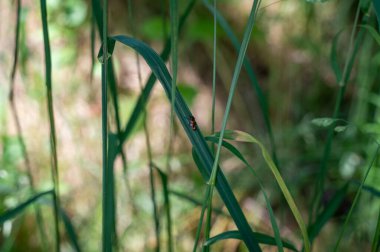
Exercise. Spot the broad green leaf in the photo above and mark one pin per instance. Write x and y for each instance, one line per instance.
(262, 239)
(12, 213)
(241, 136)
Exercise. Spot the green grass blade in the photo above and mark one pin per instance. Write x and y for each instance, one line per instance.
(174, 68)
(53, 138)
(327, 213)
(213, 76)
(334, 58)
(110, 189)
(12, 213)
(376, 238)
(352, 52)
(165, 191)
(251, 75)
(373, 32)
(70, 231)
(238, 154)
(262, 239)
(183, 113)
(144, 97)
(235, 77)
(107, 218)
(375, 157)
(241, 136)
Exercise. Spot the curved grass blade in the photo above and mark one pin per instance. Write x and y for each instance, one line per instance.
(53, 138)
(12, 213)
(144, 97)
(238, 154)
(183, 113)
(73, 237)
(241, 136)
(165, 191)
(261, 238)
(251, 75)
(373, 32)
(334, 58)
(327, 213)
(375, 157)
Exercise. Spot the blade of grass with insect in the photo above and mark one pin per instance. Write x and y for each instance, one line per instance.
(183, 113)
(376, 238)
(144, 97)
(53, 138)
(38, 214)
(156, 219)
(261, 238)
(12, 213)
(375, 157)
(174, 68)
(236, 74)
(352, 52)
(241, 136)
(251, 75)
(165, 191)
(238, 154)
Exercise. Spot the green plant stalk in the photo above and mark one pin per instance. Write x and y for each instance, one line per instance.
(375, 157)
(251, 75)
(209, 207)
(147, 139)
(174, 68)
(353, 48)
(53, 141)
(160, 71)
(165, 190)
(106, 222)
(242, 51)
(213, 79)
(38, 214)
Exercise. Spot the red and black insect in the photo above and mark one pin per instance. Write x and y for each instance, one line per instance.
(193, 123)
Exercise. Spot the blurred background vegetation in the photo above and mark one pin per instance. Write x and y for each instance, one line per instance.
(293, 49)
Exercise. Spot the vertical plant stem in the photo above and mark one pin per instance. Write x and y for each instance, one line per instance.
(174, 68)
(239, 63)
(24, 151)
(375, 157)
(213, 79)
(106, 222)
(147, 137)
(319, 188)
(53, 141)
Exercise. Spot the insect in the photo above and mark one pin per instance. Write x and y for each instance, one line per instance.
(193, 123)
